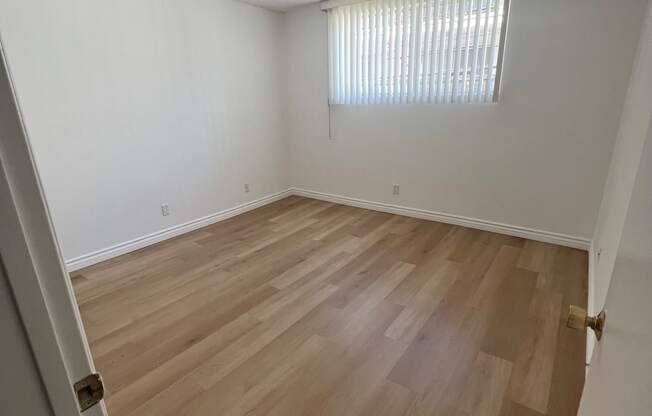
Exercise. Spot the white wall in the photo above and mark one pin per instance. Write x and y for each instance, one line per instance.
(130, 104)
(632, 134)
(537, 159)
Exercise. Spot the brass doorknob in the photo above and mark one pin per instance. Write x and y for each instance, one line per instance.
(578, 319)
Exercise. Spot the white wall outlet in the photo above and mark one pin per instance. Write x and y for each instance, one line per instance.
(246, 188)
(165, 210)
(396, 189)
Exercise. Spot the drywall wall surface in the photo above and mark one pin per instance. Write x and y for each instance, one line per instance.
(536, 159)
(132, 104)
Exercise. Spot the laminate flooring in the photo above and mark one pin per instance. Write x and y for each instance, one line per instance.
(305, 307)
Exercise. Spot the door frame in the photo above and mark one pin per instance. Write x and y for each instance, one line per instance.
(32, 261)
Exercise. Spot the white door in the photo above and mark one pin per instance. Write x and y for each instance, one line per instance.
(34, 268)
(620, 376)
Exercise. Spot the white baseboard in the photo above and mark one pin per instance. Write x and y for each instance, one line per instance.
(140, 242)
(513, 230)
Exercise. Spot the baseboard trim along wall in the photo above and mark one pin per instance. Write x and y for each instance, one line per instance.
(140, 242)
(144, 241)
(516, 231)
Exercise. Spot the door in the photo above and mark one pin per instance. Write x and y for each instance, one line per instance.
(33, 265)
(620, 376)
(19, 376)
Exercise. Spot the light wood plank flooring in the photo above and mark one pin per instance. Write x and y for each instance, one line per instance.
(304, 307)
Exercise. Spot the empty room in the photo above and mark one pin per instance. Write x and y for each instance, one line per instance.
(339, 207)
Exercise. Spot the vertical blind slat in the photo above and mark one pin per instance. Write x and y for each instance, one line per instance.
(389, 62)
(442, 50)
(360, 54)
(336, 57)
(372, 54)
(377, 39)
(379, 50)
(484, 52)
(342, 25)
(399, 48)
(446, 38)
(450, 48)
(417, 48)
(476, 49)
(411, 52)
(458, 50)
(406, 47)
(397, 52)
(379, 53)
(353, 66)
(426, 51)
(383, 53)
(357, 16)
(345, 57)
(405, 51)
(488, 48)
(367, 34)
(331, 58)
(467, 45)
(493, 48)
(362, 51)
(434, 51)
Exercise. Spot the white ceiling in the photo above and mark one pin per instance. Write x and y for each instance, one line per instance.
(279, 5)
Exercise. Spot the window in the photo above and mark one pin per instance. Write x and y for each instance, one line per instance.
(415, 51)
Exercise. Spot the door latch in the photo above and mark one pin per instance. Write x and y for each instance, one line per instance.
(90, 390)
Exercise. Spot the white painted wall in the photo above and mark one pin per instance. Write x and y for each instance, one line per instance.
(537, 159)
(133, 104)
(130, 104)
(625, 161)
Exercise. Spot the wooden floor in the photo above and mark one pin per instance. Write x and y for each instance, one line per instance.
(304, 307)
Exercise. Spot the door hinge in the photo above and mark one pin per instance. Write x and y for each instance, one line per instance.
(90, 390)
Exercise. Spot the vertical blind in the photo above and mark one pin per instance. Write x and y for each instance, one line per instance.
(415, 51)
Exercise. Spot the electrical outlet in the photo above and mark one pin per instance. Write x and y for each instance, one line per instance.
(165, 210)
(396, 189)
(246, 188)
